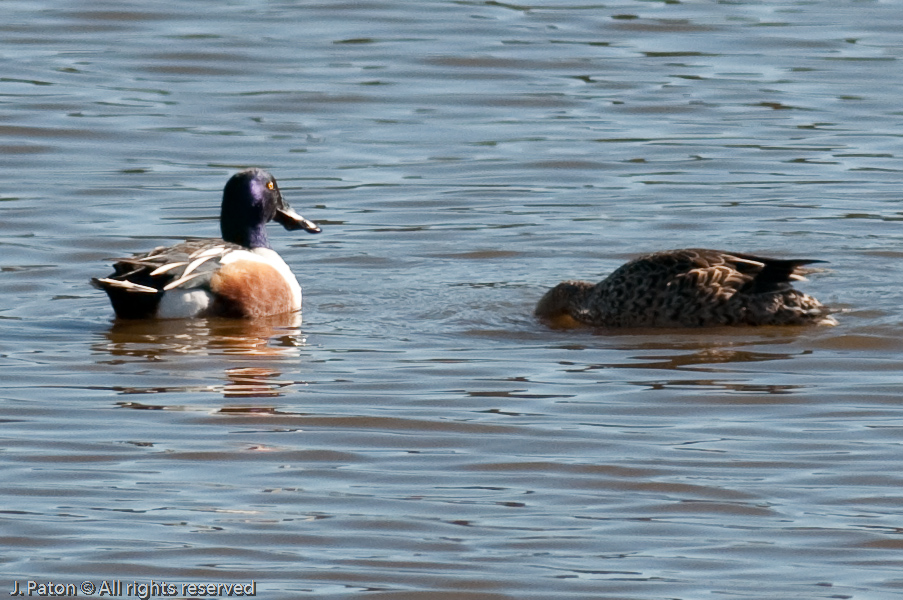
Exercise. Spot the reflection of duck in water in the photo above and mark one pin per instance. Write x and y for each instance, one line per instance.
(249, 354)
(688, 288)
(236, 276)
(167, 339)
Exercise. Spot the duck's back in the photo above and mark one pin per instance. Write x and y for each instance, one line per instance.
(700, 288)
(202, 277)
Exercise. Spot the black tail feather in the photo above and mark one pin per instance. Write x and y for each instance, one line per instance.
(777, 274)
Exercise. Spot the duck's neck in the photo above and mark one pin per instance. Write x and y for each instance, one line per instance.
(563, 299)
(249, 237)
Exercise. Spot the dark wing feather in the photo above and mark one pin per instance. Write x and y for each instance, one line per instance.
(775, 274)
(138, 282)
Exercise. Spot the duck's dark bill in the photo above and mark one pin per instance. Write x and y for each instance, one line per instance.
(293, 221)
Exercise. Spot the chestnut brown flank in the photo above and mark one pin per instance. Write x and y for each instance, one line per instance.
(249, 289)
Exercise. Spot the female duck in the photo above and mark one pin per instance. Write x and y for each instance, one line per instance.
(688, 288)
(236, 276)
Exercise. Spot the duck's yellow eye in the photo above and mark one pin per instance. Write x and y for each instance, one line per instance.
(270, 185)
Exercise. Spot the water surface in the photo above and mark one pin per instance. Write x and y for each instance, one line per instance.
(418, 435)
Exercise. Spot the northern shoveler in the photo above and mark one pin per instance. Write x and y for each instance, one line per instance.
(236, 276)
(688, 288)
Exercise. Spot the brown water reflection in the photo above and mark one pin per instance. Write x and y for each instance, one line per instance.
(277, 337)
(698, 361)
(153, 339)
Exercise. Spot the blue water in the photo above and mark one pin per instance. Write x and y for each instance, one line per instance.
(418, 435)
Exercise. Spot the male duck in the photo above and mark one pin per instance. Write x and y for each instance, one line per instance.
(688, 288)
(236, 276)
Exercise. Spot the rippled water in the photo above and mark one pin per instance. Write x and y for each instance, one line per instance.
(419, 435)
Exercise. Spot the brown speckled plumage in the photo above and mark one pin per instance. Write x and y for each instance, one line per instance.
(687, 288)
